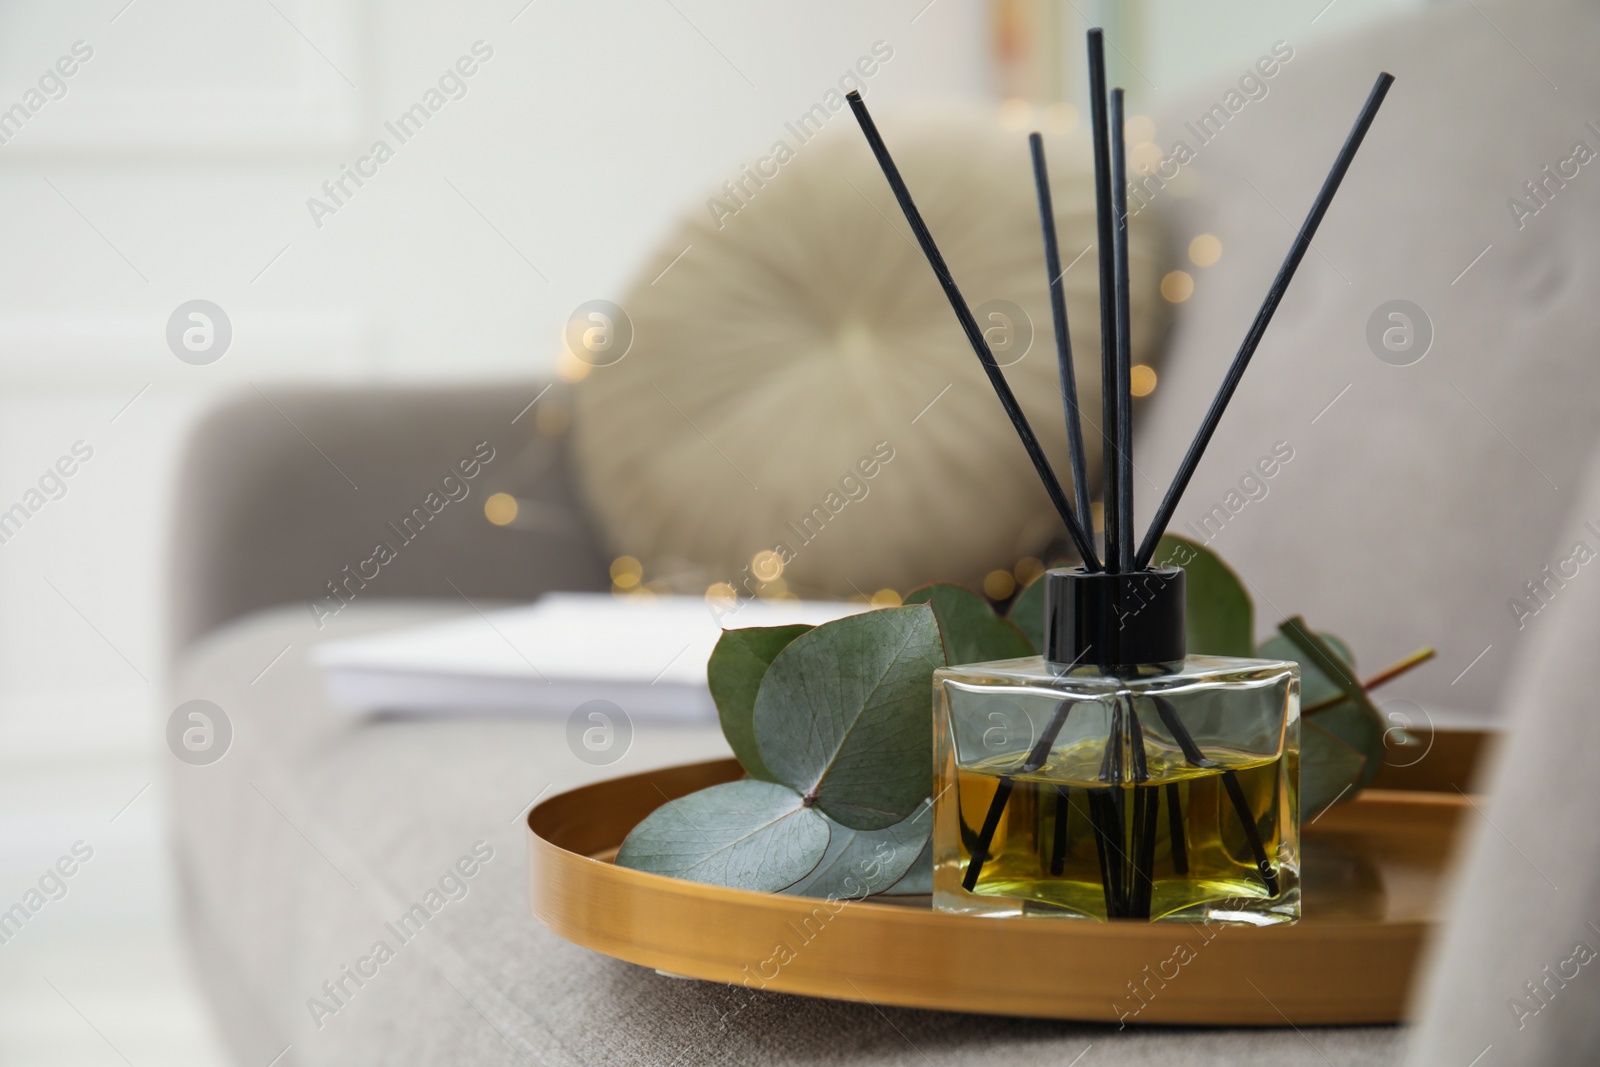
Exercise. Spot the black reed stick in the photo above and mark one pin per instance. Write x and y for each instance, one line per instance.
(1058, 316)
(1230, 782)
(1102, 817)
(1146, 803)
(1105, 239)
(1291, 262)
(1252, 832)
(991, 823)
(1152, 819)
(1180, 854)
(1058, 845)
(1136, 825)
(969, 324)
(1038, 755)
(1114, 814)
(1123, 385)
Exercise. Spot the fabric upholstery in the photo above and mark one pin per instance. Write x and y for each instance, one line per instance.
(1418, 505)
(1518, 964)
(281, 492)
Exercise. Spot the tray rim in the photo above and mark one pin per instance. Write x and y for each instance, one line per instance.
(567, 890)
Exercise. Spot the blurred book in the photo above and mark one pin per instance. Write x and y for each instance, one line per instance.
(646, 654)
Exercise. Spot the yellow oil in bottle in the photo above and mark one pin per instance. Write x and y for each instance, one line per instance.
(1175, 845)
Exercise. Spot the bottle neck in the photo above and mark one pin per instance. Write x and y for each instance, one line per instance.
(1122, 621)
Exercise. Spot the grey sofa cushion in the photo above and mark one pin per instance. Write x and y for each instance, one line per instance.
(314, 831)
(1418, 505)
(281, 492)
(1518, 964)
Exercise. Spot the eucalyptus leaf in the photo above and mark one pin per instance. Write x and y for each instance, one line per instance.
(918, 881)
(1315, 686)
(1220, 618)
(1355, 720)
(1328, 769)
(744, 835)
(1357, 728)
(734, 673)
(1027, 613)
(859, 863)
(968, 626)
(844, 715)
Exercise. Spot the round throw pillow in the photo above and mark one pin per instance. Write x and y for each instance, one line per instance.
(798, 385)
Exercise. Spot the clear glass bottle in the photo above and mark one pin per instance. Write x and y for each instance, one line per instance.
(1115, 777)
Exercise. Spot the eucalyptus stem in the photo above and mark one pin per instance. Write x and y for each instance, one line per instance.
(1388, 674)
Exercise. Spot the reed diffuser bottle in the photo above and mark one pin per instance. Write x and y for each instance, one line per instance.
(1115, 777)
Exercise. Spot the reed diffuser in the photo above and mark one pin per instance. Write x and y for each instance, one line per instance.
(1116, 776)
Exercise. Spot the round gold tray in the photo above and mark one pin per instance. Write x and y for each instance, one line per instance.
(1372, 874)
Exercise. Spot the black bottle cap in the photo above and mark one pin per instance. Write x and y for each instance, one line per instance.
(1091, 617)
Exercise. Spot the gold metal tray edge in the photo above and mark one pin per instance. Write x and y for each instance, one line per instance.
(1314, 972)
